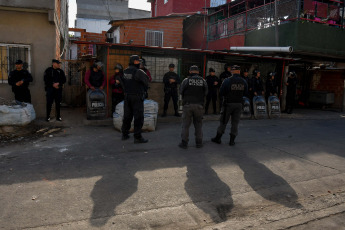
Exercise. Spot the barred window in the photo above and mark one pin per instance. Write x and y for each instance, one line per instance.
(154, 38)
(9, 54)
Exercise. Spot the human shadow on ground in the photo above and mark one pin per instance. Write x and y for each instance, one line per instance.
(266, 183)
(205, 188)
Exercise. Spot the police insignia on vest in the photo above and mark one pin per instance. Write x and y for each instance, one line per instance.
(195, 82)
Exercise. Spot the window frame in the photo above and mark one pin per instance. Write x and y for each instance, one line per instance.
(154, 32)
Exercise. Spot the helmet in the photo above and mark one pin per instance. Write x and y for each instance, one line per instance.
(292, 73)
(255, 72)
(194, 68)
(133, 58)
(211, 70)
(171, 65)
(119, 67)
(226, 66)
(271, 74)
(142, 62)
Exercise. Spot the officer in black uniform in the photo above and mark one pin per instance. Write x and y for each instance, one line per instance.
(233, 89)
(19, 79)
(258, 88)
(135, 83)
(291, 92)
(54, 78)
(271, 85)
(171, 80)
(222, 77)
(213, 85)
(193, 90)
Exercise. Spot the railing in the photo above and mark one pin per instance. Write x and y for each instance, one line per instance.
(264, 16)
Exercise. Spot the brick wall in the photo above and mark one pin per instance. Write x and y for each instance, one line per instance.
(135, 30)
(331, 81)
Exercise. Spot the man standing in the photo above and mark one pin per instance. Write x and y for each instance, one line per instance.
(193, 90)
(54, 78)
(94, 77)
(258, 88)
(171, 80)
(135, 83)
(233, 89)
(213, 85)
(19, 79)
(291, 92)
(271, 86)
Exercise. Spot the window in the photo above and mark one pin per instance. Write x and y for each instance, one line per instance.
(9, 54)
(154, 38)
(165, 1)
(158, 66)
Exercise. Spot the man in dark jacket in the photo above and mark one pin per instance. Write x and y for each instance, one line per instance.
(233, 89)
(19, 79)
(171, 80)
(94, 77)
(213, 85)
(54, 78)
(271, 86)
(117, 90)
(258, 88)
(291, 92)
(135, 83)
(193, 90)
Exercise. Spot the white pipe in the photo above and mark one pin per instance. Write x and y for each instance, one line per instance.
(287, 49)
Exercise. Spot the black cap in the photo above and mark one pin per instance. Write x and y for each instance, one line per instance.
(245, 71)
(226, 66)
(134, 58)
(118, 66)
(56, 61)
(19, 62)
(211, 70)
(171, 65)
(194, 68)
(235, 67)
(143, 62)
(292, 73)
(272, 74)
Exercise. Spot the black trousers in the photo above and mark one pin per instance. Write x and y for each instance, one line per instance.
(116, 99)
(290, 102)
(233, 111)
(212, 95)
(53, 95)
(170, 93)
(22, 95)
(133, 107)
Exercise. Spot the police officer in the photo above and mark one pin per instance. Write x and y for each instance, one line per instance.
(249, 83)
(19, 79)
(233, 89)
(226, 73)
(54, 78)
(171, 80)
(117, 90)
(258, 88)
(213, 85)
(291, 92)
(271, 85)
(135, 83)
(193, 90)
(94, 77)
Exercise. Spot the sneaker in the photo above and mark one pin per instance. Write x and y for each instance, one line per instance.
(59, 119)
(125, 137)
(48, 119)
(140, 140)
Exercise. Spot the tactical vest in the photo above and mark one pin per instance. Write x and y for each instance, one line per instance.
(236, 90)
(132, 86)
(96, 78)
(194, 92)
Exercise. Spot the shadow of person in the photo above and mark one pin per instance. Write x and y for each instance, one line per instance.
(109, 192)
(266, 183)
(206, 190)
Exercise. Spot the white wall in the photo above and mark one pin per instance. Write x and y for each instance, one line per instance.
(93, 25)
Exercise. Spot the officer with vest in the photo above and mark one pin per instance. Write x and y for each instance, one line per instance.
(171, 80)
(94, 77)
(193, 90)
(291, 92)
(54, 78)
(19, 79)
(213, 85)
(135, 83)
(233, 89)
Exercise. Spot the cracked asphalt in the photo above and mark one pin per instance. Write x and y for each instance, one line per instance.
(286, 173)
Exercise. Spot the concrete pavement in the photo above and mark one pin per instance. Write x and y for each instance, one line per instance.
(287, 173)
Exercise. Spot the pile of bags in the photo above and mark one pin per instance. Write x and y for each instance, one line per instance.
(18, 114)
(150, 116)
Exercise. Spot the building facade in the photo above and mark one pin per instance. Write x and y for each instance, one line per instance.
(175, 7)
(36, 32)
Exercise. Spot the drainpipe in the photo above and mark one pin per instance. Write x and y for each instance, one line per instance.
(284, 78)
(343, 108)
(107, 77)
(299, 10)
(287, 49)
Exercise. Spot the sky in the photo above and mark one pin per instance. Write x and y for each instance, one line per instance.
(136, 4)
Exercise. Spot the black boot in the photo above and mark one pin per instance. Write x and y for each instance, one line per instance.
(164, 113)
(199, 144)
(177, 114)
(232, 140)
(217, 139)
(140, 140)
(125, 137)
(183, 145)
